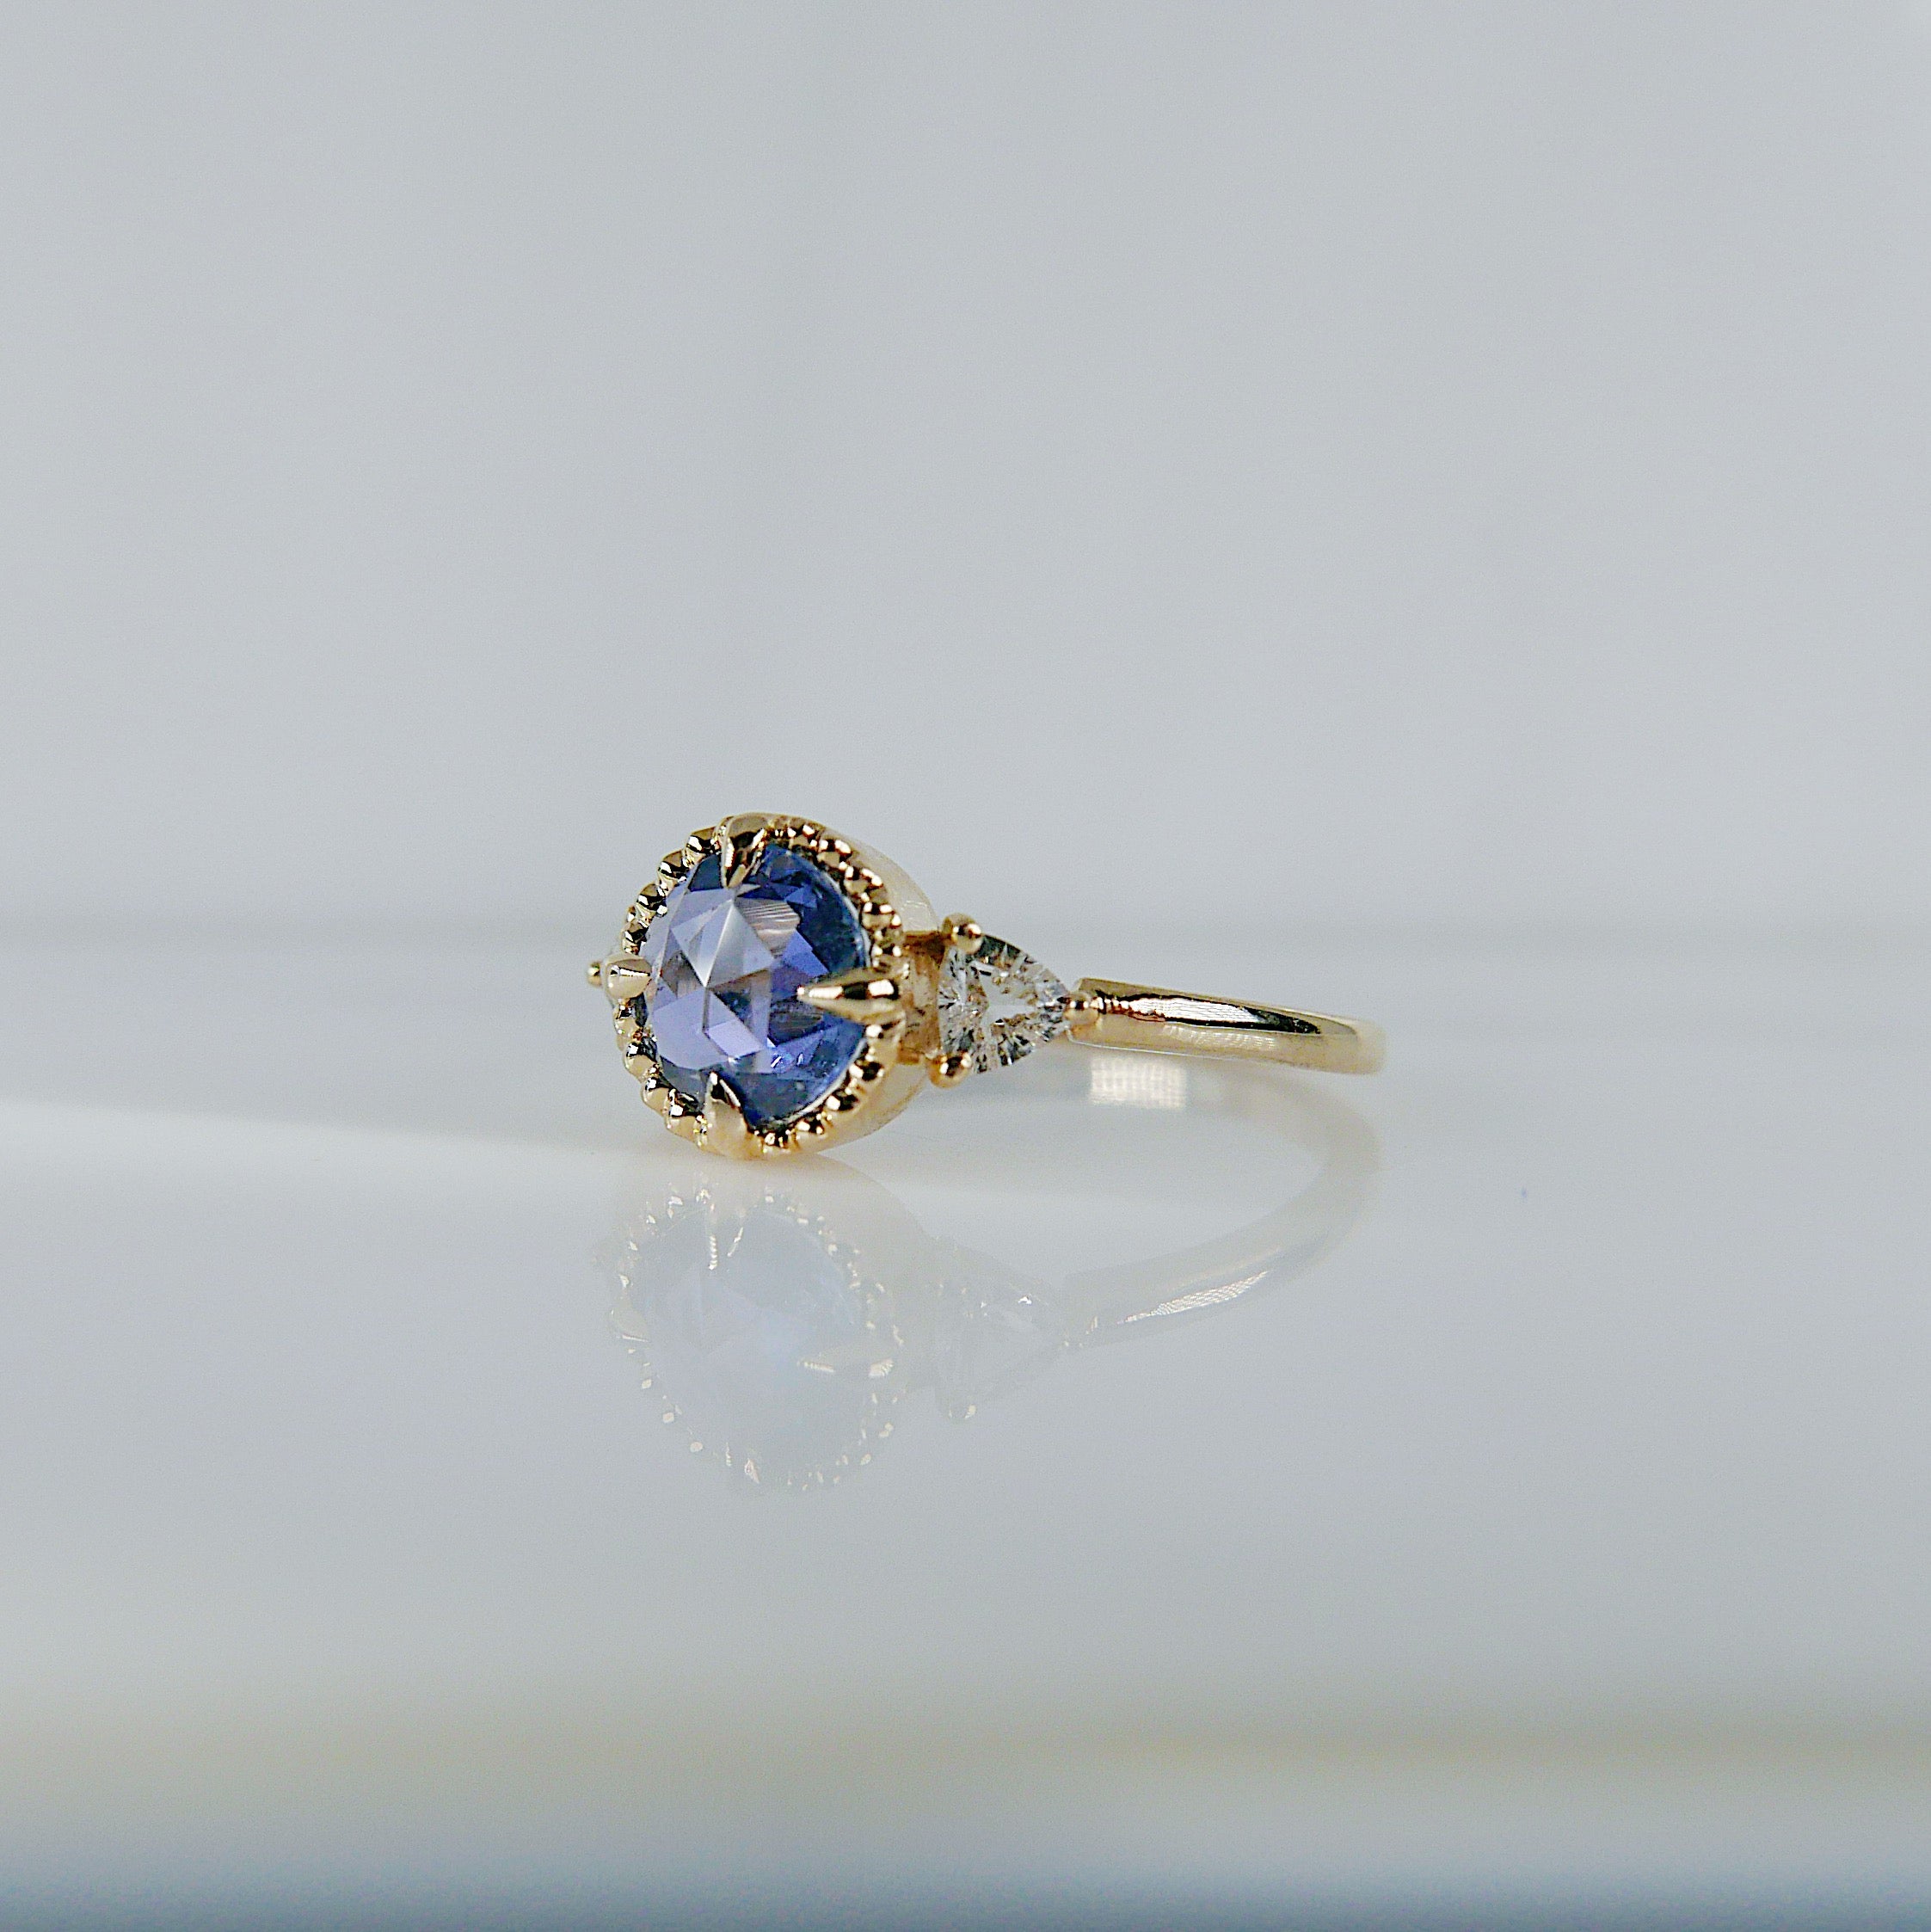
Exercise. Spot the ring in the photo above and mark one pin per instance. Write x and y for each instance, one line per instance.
(777, 987)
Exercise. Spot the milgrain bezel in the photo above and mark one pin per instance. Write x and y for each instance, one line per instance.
(892, 995)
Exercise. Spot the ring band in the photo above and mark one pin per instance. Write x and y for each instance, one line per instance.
(777, 987)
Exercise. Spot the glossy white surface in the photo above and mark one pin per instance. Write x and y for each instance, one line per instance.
(1553, 1513)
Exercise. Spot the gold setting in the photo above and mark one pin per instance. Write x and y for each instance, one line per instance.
(895, 997)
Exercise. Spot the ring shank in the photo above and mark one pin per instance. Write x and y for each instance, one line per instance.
(1154, 1019)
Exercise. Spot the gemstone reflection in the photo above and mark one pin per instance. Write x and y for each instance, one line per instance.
(783, 1321)
(763, 1336)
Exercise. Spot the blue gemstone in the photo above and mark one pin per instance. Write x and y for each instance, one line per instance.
(725, 963)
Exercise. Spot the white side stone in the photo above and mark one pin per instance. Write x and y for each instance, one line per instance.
(998, 1004)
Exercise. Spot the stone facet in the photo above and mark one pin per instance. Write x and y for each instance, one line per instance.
(725, 965)
(998, 1004)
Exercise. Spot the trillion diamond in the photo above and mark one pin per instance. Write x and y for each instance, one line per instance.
(998, 1005)
(726, 963)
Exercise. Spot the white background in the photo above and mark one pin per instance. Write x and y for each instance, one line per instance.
(1391, 466)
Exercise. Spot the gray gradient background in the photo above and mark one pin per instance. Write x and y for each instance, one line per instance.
(1408, 463)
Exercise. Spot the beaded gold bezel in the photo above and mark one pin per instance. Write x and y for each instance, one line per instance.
(903, 945)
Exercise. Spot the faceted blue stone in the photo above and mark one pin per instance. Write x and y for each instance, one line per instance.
(725, 963)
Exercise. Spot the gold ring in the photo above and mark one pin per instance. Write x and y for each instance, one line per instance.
(777, 987)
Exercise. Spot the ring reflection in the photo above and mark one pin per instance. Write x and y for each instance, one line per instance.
(783, 1316)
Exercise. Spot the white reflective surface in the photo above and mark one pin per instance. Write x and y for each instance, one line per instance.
(418, 1469)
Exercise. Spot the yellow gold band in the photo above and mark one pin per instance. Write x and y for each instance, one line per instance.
(1154, 1019)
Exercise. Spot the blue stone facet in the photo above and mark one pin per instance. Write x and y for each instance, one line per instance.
(725, 963)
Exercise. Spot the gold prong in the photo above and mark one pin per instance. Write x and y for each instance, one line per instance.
(861, 995)
(739, 841)
(724, 1128)
(594, 972)
(624, 977)
(949, 1070)
(963, 934)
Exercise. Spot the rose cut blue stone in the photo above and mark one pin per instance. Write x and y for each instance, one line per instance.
(725, 963)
